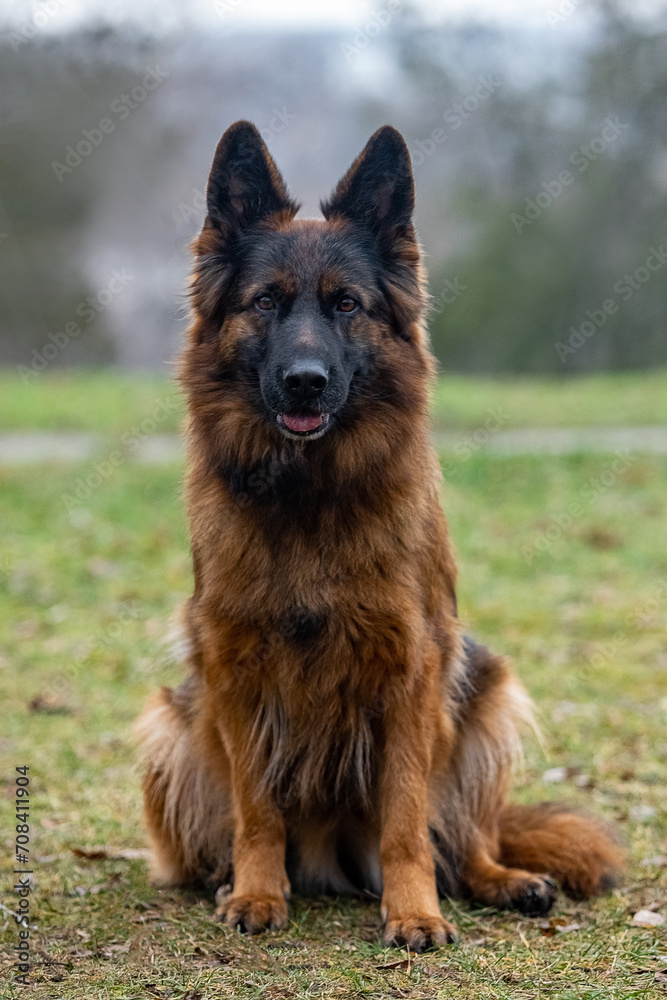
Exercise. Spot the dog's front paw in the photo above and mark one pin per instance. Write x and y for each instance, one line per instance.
(252, 914)
(419, 933)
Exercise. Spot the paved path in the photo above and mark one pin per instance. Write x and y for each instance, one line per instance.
(69, 446)
(61, 447)
(556, 441)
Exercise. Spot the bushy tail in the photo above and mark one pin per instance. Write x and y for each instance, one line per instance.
(576, 850)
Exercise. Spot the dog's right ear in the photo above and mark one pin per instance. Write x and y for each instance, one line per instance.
(244, 185)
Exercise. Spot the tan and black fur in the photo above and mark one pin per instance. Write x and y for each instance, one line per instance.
(336, 731)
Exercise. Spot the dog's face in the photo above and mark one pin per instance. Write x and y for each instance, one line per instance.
(302, 300)
(299, 314)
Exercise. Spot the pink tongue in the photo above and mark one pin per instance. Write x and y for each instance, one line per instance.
(307, 422)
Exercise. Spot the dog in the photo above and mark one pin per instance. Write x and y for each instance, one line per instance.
(337, 731)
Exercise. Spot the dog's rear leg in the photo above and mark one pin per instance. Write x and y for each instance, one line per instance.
(577, 850)
(187, 807)
(493, 884)
(518, 852)
(492, 705)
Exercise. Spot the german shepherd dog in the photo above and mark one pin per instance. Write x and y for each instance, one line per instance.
(337, 732)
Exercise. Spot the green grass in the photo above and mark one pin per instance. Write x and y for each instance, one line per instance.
(83, 400)
(97, 401)
(596, 400)
(86, 596)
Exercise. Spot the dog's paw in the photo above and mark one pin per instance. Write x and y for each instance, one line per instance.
(419, 933)
(252, 914)
(534, 896)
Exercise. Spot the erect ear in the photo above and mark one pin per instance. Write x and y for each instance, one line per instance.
(378, 190)
(244, 185)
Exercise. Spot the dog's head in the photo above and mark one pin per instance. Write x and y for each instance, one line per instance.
(305, 321)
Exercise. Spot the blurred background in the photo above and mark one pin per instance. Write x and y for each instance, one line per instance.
(538, 133)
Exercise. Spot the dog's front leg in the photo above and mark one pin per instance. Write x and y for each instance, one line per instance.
(410, 906)
(261, 887)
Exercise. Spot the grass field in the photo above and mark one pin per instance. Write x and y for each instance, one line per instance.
(92, 401)
(578, 600)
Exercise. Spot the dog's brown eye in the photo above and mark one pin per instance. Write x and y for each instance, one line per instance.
(264, 302)
(347, 304)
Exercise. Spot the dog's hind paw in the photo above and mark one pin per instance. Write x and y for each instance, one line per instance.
(534, 895)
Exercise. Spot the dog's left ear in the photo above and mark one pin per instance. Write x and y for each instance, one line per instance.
(378, 190)
(244, 189)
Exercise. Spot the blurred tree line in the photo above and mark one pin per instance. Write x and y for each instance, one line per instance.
(564, 195)
(540, 158)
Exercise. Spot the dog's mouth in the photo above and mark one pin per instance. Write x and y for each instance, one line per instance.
(303, 425)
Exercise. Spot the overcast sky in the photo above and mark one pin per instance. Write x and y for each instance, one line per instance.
(298, 14)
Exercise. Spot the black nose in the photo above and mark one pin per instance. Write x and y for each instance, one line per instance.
(305, 379)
